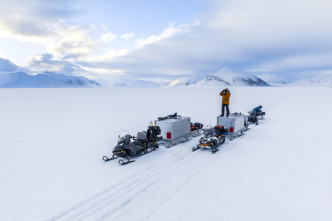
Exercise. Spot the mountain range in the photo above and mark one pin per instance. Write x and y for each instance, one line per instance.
(322, 80)
(223, 77)
(273, 80)
(46, 80)
(135, 84)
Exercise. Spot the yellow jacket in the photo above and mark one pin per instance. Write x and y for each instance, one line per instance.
(225, 97)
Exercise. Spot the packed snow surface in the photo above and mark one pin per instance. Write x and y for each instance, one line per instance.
(52, 142)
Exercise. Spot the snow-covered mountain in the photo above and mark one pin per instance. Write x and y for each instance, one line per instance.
(235, 79)
(212, 80)
(224, 77)
(273, 80)
(135, 84)
(322, 80)
(184, 81)
(46, 80)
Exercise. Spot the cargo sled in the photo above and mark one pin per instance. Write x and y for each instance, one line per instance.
(236, 124)
(130, 146)
(174, 129)
(212, 139)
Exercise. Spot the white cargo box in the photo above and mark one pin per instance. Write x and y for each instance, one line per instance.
(174, 128)
(236, 123)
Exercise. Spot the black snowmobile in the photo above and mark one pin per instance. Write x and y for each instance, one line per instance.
(129, 146)
(254, 115)
(213, 138)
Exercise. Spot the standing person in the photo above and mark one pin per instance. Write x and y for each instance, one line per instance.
(225, 101)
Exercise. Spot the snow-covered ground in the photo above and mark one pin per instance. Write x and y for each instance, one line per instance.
(52, 142)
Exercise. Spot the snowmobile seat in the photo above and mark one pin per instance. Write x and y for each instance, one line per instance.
(142, 136)
(220, 130)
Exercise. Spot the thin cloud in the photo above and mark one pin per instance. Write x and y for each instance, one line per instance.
(46, 62)
(34, 18)
(244, 35)
(108, 37)
(127, 36)
(167, 33)
(74, 42)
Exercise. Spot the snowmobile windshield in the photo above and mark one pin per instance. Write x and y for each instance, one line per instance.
(122, 140)
(125, 139)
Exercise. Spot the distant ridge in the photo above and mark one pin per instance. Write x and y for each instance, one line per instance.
(273, 80)
(135, 84)
(322, 80)
(184, 81)
(223, 77)
(46, 80)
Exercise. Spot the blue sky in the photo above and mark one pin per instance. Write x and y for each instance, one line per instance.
(147, 17)
(165, 39)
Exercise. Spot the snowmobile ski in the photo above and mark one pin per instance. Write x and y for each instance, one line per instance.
(122, 162)
(215, 150)
(195, 148)
(105, 158)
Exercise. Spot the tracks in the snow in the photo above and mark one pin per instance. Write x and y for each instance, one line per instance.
(138, 197)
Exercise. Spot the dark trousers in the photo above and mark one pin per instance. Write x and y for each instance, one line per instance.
(223, 110)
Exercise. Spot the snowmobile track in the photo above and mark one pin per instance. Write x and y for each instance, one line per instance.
(122, 185)
(146, 191)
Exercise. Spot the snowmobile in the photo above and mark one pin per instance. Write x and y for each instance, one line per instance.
(254, 114)
(196, 129)
(196, 126)
(213, 138)
(129, 146)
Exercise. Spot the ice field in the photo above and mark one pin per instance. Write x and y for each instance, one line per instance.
(52, 142)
